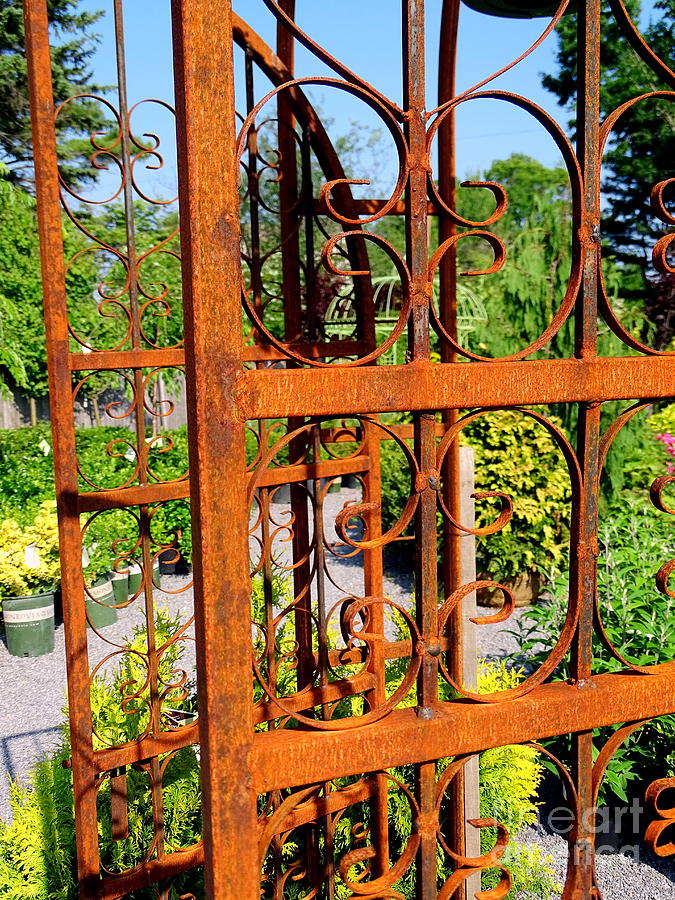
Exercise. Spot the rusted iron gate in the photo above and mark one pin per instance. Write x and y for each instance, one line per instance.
(284, 763)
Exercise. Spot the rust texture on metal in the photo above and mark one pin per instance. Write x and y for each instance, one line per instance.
(316, 712)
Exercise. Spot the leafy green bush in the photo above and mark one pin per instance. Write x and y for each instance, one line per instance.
(29, 556)
(635, 457)
(509, 779)
(663, 420)
(37, 849)
(27, 480)
(634, 541)
(26, 471)
(515, 455)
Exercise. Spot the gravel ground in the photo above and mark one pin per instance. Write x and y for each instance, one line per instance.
(631, 873)
(34, 691)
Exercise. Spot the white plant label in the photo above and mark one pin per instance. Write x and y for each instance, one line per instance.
(103, 590)
(21, 616)
(31, 557)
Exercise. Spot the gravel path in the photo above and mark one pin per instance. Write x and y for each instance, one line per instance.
(631, 873)
(34, 695)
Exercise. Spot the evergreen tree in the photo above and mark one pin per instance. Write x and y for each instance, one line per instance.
(640, 151)
(73, 44)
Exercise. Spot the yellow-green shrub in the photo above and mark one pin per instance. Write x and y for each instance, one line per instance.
(29, 556)
(516, 455)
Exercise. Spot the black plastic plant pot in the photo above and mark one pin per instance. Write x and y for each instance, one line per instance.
(515, 10)
(351, 482)
(101, 610)
(168, 560)
(29, 624)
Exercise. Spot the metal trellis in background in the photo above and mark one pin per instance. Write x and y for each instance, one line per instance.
(306, 722)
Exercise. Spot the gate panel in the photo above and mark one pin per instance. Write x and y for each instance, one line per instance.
(299, 731)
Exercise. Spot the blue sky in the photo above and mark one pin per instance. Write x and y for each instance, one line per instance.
(365, 34)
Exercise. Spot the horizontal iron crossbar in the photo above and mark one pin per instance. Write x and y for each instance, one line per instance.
(334, 391)
(288, 758)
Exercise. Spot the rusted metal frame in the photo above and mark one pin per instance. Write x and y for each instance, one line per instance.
(263, 495)
(139, 417)
(322, 695)
(180, 490)
(291, 758)
(327, 804)
(154, 872)
(141, 358)
(318, 537)
(214, 353)
(309, 349)
(450, 472)
(253, 198)
(328, 392)
(426, 586)
(289, 225)
(278, 73)
(324, 468)
(307, 207)
(142, 750)
(370, 207)
(373, 575)
(405, 431)
(172, 358)
(291, 217)
(63, 437)
(136, 495)
(584, 550)
(447, 302)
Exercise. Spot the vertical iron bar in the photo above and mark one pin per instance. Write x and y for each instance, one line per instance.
(214, 354)
(451, 476)
(289, 223)
(426, 588)
(144, 516)
(584, 570)
(63, 437)
(254, 201)
(373, 575)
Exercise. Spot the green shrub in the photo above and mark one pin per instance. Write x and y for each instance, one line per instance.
(37, 849)
(27, 480)
(663, 420)
(509, 780)
(29, 556)
(515, 455)
(634, 541)
(635, 457)
(26, 471)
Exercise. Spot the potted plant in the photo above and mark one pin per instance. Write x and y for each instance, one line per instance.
(29, 574)
(136, 575)
(102, 594)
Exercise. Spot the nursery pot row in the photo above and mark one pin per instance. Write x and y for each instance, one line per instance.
(29, 619)
(111, 592)
(29, 624)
